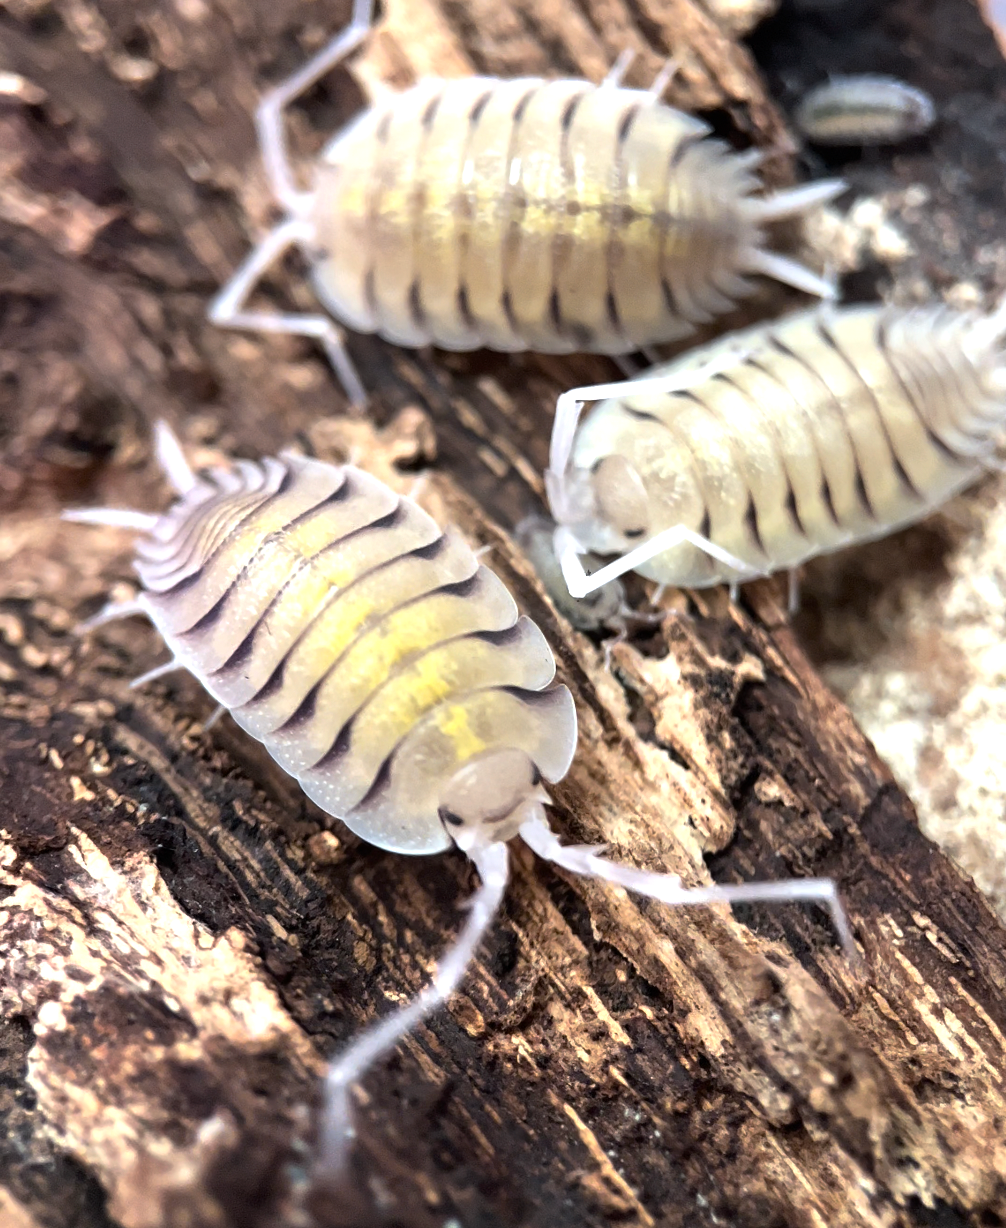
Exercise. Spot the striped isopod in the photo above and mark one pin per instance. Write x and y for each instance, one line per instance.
(518, 215)
(864, 109)
(777, 443)
(389, 672)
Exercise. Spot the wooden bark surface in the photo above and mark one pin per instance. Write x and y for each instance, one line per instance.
(182, 944)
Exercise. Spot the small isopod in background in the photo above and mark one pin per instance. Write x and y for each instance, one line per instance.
(526, 214)
(389, 672)
(778, 443)
(864, 109)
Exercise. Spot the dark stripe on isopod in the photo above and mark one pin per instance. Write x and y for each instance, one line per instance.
(829, 501)
(518, 112)
(790, 500)
(514, 208)
(751, 520)
(507, 304)
(384, 126)
(902, 474)
(475, 114)
(459, 588)
(790, 504)
(611, 311)
(428, 552)
(625, 127)
(618, 213)
(430, 111)
(370, 292)
(271, 542)
(417, 314)
(859, 481)
(560, 245)
(464, 308)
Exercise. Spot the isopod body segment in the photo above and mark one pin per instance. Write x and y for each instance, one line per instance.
(386, 670)
(778, 443)
(518, 215)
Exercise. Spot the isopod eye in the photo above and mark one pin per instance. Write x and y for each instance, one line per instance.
(621, 497)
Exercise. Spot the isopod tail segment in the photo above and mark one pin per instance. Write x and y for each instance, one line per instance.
(229, 308)
(490, 857)
(491, 798)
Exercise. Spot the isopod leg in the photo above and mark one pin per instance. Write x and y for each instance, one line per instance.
(214, 716)
(171, 458)
(793, 201)
(580, 584)
(269, 114)
(337, 1130)
(584, 859)
(616, 73)
(793, 591)
(664, 78)
(115, 517)
(789, 272)
(169, 667)
(110, 612)
(228, 308)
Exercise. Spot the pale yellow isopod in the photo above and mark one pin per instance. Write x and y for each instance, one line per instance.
(387, 671)
(777, 443)
(517, 215)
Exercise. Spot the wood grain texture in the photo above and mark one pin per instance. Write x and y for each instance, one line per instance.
(181, 941)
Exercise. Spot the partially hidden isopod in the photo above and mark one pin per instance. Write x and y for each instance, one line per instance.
(516, 215)
(864, 109)
(388, 671)
(777, 443)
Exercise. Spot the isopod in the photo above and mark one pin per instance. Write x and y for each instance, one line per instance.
(387, 671)
(864, 109)
(602, 610)
(778, 443)
(515, 215)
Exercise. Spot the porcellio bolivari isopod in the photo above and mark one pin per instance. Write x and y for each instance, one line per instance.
(778, 443)
(864, 109)
(514, 214)
(389, 672)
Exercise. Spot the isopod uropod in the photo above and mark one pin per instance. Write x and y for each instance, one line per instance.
(389, 672)
(777, 443)
(514, 214)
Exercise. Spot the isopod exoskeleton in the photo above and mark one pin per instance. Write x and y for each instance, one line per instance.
(777, 443)
(864, 109)
(388, 672)
(514, 214)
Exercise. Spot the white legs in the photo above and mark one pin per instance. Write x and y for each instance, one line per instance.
(229, 311)
(116, 517)
(171, 458)
(228, 308)
(584, 859)
(789, 272)
(337, 1130)
(269, 114)
(616, 73)
(580, 584)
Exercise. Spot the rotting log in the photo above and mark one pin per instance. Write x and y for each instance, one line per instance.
(183, 937)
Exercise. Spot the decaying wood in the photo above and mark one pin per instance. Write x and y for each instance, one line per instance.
(183, 940)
